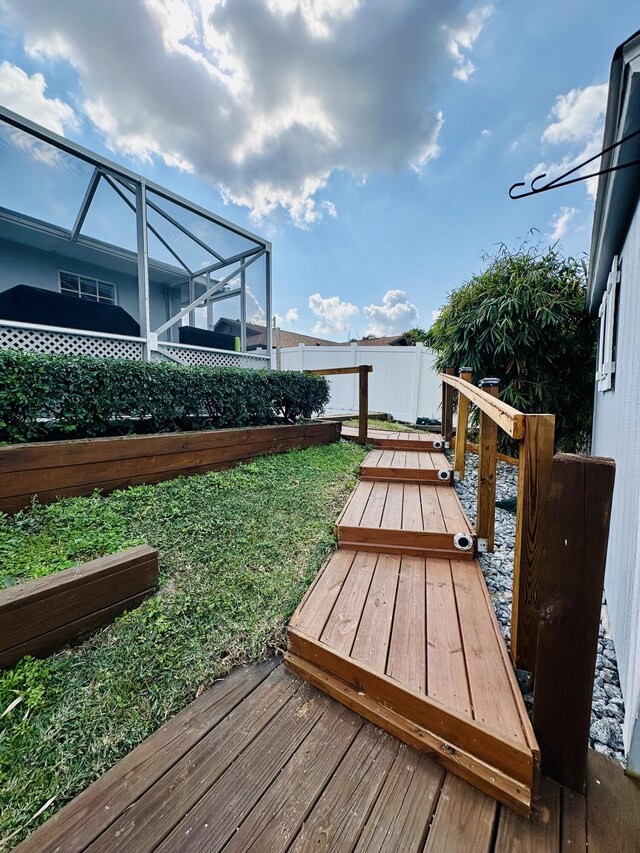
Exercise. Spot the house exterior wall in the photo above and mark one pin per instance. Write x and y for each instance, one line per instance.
(23, 264)
(616, 433)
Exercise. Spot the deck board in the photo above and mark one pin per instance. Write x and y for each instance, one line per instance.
(404, 518)
(390, 439)
(429, 626)
(407, 466)
(317, 777)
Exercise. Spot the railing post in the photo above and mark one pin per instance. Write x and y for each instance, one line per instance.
(461, 427)
(363, 403)
(447, 408)
(570, 581)
(534, 487)
(487, 457)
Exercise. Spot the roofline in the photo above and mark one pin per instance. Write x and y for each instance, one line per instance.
(96, 160)
(31, 222)
(624, 80)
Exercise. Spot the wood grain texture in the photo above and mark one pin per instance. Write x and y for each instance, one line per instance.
(447, 408)
(402, 814)
(509, 419)
(613, 806)
(337, 819)
(407, 651)
(539, 834)
(461, 428)
(363, 402)
(511, 756)
(486, 777)
(487, 450)
(571, 581)
(66, 468)
(41, 615)
(82, 820)
(534, 488)
(464, 819)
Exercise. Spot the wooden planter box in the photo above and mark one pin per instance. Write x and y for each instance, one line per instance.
(41, 615)
(68, 468)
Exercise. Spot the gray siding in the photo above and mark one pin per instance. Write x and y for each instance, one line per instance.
(616, 433)
(22, 264)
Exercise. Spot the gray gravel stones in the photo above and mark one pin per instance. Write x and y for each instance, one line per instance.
(607, 710)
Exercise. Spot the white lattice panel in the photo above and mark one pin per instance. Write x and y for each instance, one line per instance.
(67, 343)
(195, 356)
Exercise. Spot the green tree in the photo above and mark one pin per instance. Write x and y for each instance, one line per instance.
(416, 335)
(523, 320)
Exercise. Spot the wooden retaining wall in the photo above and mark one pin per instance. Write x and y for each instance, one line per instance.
(69, 468)
(41, 615)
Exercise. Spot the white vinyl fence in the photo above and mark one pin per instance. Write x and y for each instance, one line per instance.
(404, 382)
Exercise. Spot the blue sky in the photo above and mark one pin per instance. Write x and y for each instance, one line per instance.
(373, 142)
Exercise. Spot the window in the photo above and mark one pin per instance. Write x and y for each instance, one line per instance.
(87, 288)
(606, 367)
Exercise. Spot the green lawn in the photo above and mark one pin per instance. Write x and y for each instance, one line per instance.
(374, 423)
(237, 550)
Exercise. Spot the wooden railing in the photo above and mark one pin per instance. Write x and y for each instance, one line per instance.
(363, 397)
(562, 523)
(535, 436)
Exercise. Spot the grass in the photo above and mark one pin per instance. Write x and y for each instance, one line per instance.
(374, 423)
(237, 550)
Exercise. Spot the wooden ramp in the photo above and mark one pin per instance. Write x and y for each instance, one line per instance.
(390, 439)
(407, 466)
(406, 518)
(399, 626)
(265, 762)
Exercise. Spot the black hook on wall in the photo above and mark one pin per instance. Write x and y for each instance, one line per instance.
(560, 180)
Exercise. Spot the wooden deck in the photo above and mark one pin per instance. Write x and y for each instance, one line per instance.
(405, 518)
(265, 762)
(413, 645)
(382, 438)
(407, 466)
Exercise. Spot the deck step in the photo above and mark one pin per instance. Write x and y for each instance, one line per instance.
(390, 439)
(407, 466)
(406, 518)
(413, 645)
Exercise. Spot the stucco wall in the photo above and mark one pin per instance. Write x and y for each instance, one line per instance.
(21, 264)
(616, 433)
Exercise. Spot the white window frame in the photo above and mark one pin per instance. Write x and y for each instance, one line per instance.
(98, 282)
(606, 366)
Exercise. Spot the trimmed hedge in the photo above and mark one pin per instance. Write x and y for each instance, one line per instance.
(47, 396)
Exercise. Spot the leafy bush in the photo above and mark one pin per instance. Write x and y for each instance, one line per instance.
(48, 396)
(523, 320)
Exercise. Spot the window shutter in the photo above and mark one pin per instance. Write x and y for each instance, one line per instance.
(606, 363)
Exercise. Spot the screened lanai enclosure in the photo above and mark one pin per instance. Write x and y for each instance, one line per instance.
(98, 260)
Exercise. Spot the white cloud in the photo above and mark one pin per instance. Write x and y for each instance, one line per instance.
(395, 315)
(292, 316)
(26, 95)
(333, 314)
(435, 315)
(577, 123)
(485, 132)
(265, 99)
(560, 223)
(463, 38)
(577, 115)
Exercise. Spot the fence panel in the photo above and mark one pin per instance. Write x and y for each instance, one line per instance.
(404, 382)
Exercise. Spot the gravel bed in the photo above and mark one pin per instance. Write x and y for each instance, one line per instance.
(607, 709)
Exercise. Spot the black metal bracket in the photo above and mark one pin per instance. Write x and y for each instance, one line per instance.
(560, 180)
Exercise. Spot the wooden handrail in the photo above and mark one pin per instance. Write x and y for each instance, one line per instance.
(509, 419)
(363, 392)
(336, 371)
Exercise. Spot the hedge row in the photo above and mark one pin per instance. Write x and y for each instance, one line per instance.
(48, 396)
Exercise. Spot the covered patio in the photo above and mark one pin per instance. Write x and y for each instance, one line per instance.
(91, 238)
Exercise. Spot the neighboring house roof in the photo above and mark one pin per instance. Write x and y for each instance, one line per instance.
(617, 191)
(257, 336)
(388, 341)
